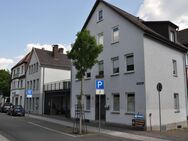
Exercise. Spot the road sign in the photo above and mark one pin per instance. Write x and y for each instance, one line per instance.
(159, 87)
(99, 87)
(29, 93)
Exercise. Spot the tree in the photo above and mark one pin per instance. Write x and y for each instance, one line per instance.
(5, 78)
(84, 56)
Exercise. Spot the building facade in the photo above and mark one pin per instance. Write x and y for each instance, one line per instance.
(136, 56)
(18, 81)
(45, 67)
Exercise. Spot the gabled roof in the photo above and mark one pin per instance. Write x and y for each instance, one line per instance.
(46, 59)
(137, 22)
(25, 59)
(183, 36)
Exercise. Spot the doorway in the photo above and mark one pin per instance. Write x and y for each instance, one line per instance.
(103, 111)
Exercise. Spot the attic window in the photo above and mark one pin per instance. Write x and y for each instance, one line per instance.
(172, 36)
(100, 15)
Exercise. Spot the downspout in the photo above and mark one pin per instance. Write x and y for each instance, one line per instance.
(43, 91)
(186, 83)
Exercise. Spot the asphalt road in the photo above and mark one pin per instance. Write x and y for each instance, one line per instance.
(27, 129)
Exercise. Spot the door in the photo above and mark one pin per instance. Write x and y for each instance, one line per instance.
(103, 111)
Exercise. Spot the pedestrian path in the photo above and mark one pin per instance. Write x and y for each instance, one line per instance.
(2, 138)
(103, 131)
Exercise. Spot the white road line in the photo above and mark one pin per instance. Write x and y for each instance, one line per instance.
(2, 138)
(53, 130)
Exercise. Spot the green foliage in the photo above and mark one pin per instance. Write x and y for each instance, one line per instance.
(84, 53)
(5, 78)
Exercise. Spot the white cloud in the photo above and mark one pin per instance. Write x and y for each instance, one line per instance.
(46, 47)
(173, 10)
(5, 63)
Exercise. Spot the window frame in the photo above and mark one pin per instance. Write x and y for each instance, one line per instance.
(175, 68)
(176, 102)
(172, 36)
(115, 70)
(100, 15)
(129, 102)
(115, 109)
(98, 38)
(126, 64)
(114, 40)
(86, 107)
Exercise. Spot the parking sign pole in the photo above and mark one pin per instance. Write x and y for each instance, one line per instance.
(99, 113)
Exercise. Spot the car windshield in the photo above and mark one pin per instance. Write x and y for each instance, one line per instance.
(18, 107)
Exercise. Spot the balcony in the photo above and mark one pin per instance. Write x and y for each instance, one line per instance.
(58, 85)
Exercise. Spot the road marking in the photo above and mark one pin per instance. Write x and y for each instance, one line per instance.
(2, 138)
(53, 130)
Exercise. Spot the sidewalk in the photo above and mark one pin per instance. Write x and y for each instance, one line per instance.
(103, 131)
(2, 138)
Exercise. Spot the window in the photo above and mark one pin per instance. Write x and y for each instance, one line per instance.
(88, 74)
(129, 60)
(100, 39)
(34, 68)
(21, 83)
(37, 67)
(27, 84)
(115, 34)
(33, 84)
(174, 67)
(22, 69)
(30, 84)
(88, 102)
(20, 100)
(101, 68)
(176, 102)
(37, 84)
(18, 70)
(115, 63)
(130, 103)
(100, 15)
(116, 102)
(172, 36)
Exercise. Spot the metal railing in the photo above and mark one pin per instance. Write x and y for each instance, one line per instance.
(58, 85)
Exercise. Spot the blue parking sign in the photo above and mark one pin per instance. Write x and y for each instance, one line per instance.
(99, 87)
(29, 93)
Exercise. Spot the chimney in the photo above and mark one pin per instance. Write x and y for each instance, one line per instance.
(61, 50)
(55, 51)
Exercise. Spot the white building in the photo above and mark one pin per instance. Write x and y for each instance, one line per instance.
(45, 67)
(136, 56)
(18, 74)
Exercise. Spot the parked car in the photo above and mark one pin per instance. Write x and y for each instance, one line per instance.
(16, 110)
(6, 107)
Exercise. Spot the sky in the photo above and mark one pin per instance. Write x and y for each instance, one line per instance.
(41, 23)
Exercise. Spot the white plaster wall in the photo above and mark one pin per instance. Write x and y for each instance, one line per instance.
(131, 41)
(159, 68)
(56, 75)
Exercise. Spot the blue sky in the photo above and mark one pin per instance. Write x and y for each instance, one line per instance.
(24, 22)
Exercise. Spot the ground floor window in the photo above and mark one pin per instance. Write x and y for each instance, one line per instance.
(116, 102)
(176, 102)
(88, 102)
(130, 102)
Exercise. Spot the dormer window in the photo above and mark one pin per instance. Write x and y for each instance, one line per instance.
(172, 36)
(100, 15)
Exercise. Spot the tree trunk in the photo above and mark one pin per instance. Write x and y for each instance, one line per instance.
(81, 103)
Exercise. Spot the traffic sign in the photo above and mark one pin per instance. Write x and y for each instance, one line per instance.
(159, 87)
(29, 93)
(99, 87)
